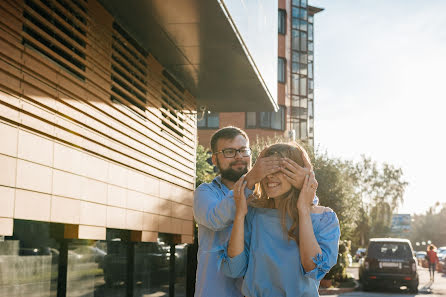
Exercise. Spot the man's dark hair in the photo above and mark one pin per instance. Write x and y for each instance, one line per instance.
(229, 132)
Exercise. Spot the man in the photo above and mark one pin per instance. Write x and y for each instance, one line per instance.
(214, 207)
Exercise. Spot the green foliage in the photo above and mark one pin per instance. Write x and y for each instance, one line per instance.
(337, 190)
(339, 271)
(429, 226)
(380, 190)
(204, 171)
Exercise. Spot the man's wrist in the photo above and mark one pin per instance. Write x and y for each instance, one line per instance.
(250, 180)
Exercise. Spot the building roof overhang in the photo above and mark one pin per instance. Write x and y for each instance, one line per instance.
(198, 42)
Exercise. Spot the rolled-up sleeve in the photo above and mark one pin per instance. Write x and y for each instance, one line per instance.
(213, 212)
(327, 236)
(236, 267)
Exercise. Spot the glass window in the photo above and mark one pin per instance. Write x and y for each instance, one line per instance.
(295, 84)
(303, 3)
(303, 58)
(303, 25)
(209, 120)
(295, 12)
(310, 19)
(303, 86)
(29, 260)
(282, 21)
(213, 119)
(310, 32)
(310, 109)
(296, 2)
(277, 119)
(295, 67)
(295, 23)
(265, 119)
(303, 69)
(303, 129)
(269, 120)
(303, 41)
(281, 69)
(310, 46)
(295, 40)
(251, 119)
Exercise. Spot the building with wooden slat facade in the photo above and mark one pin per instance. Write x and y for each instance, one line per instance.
(98, 132)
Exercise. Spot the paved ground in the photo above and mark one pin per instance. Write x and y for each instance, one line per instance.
(437, 288)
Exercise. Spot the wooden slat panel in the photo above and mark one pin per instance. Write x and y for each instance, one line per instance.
(43, 47)
(62, 21)
(72, 17)
(54, 28)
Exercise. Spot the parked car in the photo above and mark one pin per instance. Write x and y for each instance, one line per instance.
(441, 253)
(421, 258)
(389, 262)
(359, 254)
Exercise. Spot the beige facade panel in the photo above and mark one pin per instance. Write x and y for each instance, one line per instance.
(133, 220)
(91, 232)
(31, 205)
(34, 177)
(93, 214)
(35, 148)
(7, 197)
(64, 210)
(149, 236)
(6, 226)
(9, 133)
(187, 239)
(115, 217)
(8, 170)
(150, 222)
(69, 185)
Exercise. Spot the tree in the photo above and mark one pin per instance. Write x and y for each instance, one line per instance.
(430, 226)
(380, 190)
(204, 171)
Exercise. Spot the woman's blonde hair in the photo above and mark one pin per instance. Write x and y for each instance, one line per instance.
(288, 203)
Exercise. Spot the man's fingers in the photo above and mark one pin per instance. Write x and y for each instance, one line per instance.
(288, 173)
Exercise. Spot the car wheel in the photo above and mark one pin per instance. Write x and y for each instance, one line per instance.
(413, 290)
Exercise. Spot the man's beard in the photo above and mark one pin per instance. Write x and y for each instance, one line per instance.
(231, 174)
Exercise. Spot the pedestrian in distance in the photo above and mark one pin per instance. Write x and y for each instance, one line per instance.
(281, 243)
(214, 207)
(432, 260)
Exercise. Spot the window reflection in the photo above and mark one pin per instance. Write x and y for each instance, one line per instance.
(29, 261)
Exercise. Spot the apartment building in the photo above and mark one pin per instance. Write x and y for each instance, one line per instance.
(294, 117)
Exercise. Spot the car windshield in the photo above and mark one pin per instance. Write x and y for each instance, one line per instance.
(395, 250)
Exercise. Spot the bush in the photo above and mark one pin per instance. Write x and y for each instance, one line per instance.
(339, 271)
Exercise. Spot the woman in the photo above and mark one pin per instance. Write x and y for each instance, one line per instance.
(432, 260)
(282, 244)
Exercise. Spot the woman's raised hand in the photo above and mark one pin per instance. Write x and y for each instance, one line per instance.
(307, 192)
(239, 198)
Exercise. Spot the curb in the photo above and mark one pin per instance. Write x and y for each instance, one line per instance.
(336, 291)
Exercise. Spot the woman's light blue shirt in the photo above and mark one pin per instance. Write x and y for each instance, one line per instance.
(270, 263)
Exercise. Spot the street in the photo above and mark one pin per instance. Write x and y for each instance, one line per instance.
(437, 288)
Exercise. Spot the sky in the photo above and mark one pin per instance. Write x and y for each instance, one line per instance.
(380, 79)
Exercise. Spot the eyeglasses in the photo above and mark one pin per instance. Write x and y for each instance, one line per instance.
(230, 152)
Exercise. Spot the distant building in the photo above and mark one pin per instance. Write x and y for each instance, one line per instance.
(98, 112)
(295, 84)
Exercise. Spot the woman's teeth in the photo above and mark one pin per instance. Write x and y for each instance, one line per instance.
(272, 185)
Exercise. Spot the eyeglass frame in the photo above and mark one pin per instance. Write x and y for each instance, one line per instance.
(236, 151)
